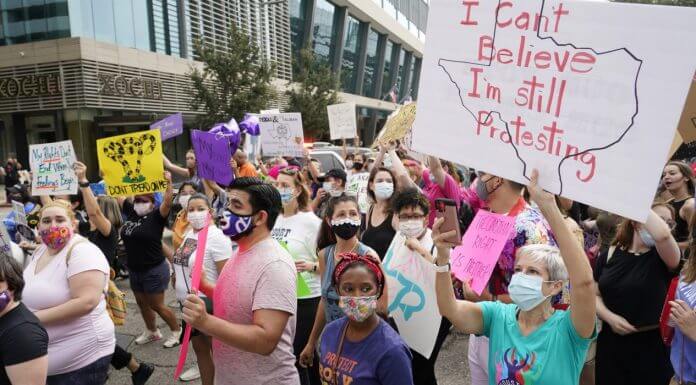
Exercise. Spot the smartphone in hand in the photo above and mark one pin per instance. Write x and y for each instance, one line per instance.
(447, 208)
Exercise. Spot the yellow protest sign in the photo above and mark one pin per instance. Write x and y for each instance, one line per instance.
(398, 124)
(132, 163)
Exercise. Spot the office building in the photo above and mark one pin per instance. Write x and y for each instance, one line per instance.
(87, 69)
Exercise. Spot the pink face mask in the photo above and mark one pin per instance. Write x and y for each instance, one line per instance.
(56, 237)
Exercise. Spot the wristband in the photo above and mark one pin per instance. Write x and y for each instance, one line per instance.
(442, 269)
(84, 184)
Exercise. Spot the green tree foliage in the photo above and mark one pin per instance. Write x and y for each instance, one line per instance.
(315, 89)
(233, 81)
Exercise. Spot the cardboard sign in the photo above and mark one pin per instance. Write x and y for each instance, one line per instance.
(171, 126)
(52, 168)
(282, 134)
(399, 124)
(19, 213)
(213, 155)
(132, 163)
(342, 121)
(687, 123)
(195, 284)
(589, 93)
(357, 187)
(474, 260)
(412, 297)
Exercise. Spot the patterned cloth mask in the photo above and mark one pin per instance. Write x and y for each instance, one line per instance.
(358, 308)
(56, 237)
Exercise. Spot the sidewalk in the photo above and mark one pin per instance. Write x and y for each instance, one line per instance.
(164, 359)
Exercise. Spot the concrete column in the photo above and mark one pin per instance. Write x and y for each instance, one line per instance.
(406, 80)
(82, 131)
(341, 20)
(379, 73)
(416, 78)
(308, 10)
(362, 57)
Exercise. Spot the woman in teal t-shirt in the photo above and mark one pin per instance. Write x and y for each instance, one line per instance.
(530, 342)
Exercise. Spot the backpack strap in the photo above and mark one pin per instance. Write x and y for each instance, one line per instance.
(69, 254)
(610, 253)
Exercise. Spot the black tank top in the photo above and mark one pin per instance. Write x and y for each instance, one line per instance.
(378, 238)
(681, 230)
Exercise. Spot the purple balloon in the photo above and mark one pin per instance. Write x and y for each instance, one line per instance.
(250, 125)
(231, 131)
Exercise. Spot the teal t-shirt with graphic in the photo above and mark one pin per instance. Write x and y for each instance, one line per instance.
(553, 354)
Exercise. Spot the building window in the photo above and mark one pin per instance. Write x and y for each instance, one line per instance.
(297, 24)
(399, 75)
(386, 77)
(123, 15)
(324, 31)
(24, 21)
(371, 63)
(351, 51)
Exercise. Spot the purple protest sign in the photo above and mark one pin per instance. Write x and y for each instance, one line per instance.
(474, 260)
(171, 126)
(212, 156)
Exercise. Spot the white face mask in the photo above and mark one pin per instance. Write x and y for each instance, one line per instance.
(525, 291)
(197, 219)
(183, 200)
(384, 190)
(349, 164)
(411, 228)
(142, 209)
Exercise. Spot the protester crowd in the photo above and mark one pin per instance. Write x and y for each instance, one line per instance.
(293, 289)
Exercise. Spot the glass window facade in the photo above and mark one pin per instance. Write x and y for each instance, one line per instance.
(351, 52)
(386, 76)
(371, 63)
(122, 22)
(23, 21)
(411, 14)
(400, 73)
(297, 11)
(323, 30)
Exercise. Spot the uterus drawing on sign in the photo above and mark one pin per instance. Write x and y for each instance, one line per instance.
(129, 153)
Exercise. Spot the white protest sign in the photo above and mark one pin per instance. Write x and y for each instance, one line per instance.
(357, 186)
(412, 297)
(281, 134)
(590, 93)
(342, 121)
(52, 168)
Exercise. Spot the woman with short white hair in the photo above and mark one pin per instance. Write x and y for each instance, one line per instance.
(530, 341)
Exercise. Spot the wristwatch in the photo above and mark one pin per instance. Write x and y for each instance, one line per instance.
(84, 184)
(314, 267)
(442, 269)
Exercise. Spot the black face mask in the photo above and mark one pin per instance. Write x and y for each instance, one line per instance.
(345, 230)
(358, 166)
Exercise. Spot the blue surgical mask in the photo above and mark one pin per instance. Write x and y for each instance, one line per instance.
(236, 226)
(286, 195)
(525, 291)
(646, 237)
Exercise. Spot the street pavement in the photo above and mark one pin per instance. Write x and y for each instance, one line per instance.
(451, 368)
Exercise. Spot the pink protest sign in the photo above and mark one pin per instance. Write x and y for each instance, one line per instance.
(195, 283)
(483, 242)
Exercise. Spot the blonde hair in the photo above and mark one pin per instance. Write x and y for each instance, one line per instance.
(60, 204)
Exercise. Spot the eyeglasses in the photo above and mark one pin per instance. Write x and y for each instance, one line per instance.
(414, 217)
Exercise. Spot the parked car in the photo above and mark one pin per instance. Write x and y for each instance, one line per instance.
(328, 159)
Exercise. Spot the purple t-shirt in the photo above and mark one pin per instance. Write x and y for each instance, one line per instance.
(434, 191)
(687, 293)
(381, 358)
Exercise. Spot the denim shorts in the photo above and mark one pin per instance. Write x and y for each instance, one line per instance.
(92, 374)
(152, 281)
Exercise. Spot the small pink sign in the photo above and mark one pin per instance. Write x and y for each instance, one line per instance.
(474, 260)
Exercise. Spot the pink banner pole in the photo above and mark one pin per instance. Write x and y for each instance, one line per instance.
(195, 283)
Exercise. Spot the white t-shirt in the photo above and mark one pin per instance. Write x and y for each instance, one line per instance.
(299, 234)
(263, 277)
(217, 248)
(75, 343)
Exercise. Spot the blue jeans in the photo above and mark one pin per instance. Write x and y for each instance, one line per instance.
(92, 374)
